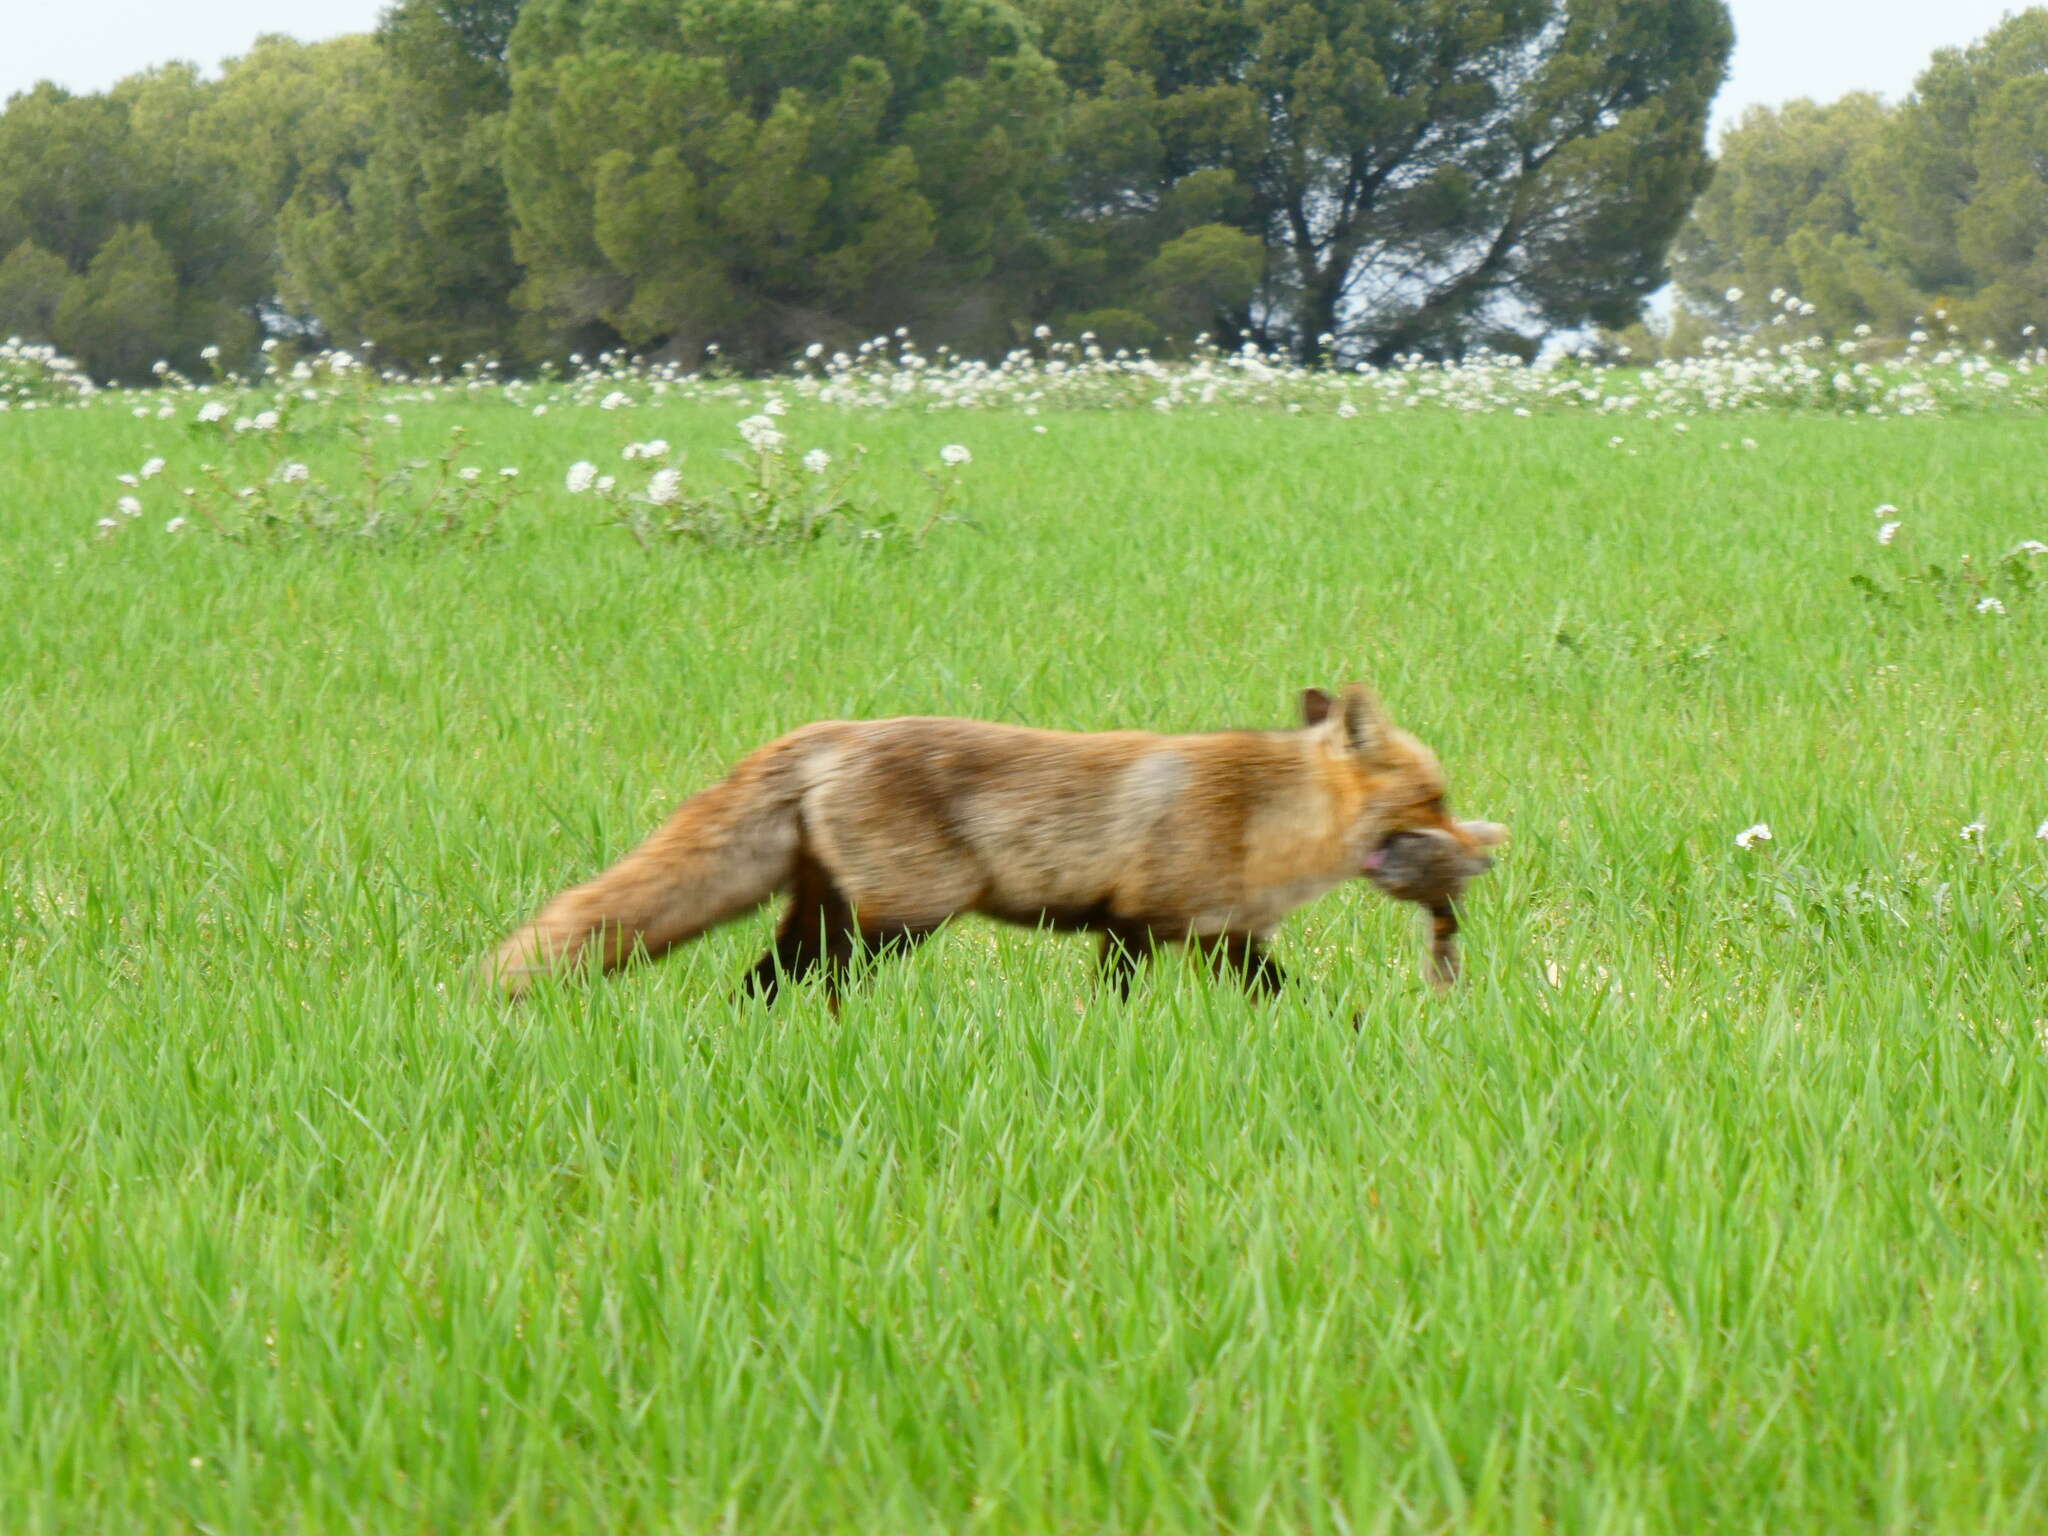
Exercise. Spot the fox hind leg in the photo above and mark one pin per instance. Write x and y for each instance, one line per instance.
(859, 947)
(820, 930)
(812, 933)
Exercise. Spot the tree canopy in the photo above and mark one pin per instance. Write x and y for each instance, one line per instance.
(1353, 178)
(1417, 172)
(145, 216)
(690, 172)
(1876, 215)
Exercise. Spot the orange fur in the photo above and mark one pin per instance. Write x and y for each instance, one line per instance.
(882, 830)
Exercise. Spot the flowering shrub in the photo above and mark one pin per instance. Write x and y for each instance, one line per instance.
(1778, 367)
(773, 499)
(1971, 588)
(1774, 369)
(417, 499)
(32, 377)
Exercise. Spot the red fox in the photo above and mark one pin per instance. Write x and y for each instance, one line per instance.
(882, 830)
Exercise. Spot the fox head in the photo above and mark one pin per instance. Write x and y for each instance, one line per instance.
(1402, 830)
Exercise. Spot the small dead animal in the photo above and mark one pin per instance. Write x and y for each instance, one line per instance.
(1431, 868)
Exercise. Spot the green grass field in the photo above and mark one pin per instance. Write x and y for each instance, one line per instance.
(1717, 1198)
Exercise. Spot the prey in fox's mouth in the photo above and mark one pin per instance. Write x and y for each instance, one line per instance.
(1431, 867)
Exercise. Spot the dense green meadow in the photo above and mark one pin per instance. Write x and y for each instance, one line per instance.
(1717, 1197)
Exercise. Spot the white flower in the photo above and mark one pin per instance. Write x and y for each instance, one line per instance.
(1346, 410)
(127, 479)
(954, 453)
(1887, 532)
(817, 461)
(1886, 510)
(107, 525)
(1990, 605)
(759, 432)
(1749, 837)
(213, 410)
(208, 354)
(152, 469)
(773, 406)
(815, 349)
(2030, 547)
(605, 483)
(176, 525)
(509, 472)
(614, 400)
(1974, 832)
(293, 473)
(128, 506)
(470, 473)
(1734, 295)
(582, 475)
(269, 344)
(391, 418)
(1042, 332)
(662, 489)
(2041, 833)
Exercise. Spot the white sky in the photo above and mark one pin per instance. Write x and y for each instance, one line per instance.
(1783, 48)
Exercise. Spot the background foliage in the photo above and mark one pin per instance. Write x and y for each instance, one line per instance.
(1880, 215)
(1351, 179)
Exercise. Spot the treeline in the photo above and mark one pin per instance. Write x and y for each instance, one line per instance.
(1930, 214)
(1357, 178)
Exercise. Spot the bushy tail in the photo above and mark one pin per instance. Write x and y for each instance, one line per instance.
(723, 853)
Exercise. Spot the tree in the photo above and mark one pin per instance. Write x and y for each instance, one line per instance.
(33, 282)
(1959, 192)
(68, 173)
(1788, 213)
(117, 316)
(1211, 270)
(79, 173)
(689, 172)
(1935, 209)
(407, 239)
(1416, 170)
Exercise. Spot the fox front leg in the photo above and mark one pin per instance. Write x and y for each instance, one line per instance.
(1124, 947)
(1245, 956)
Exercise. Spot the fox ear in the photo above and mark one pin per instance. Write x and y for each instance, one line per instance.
(1365, 723)
(1315, 706)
